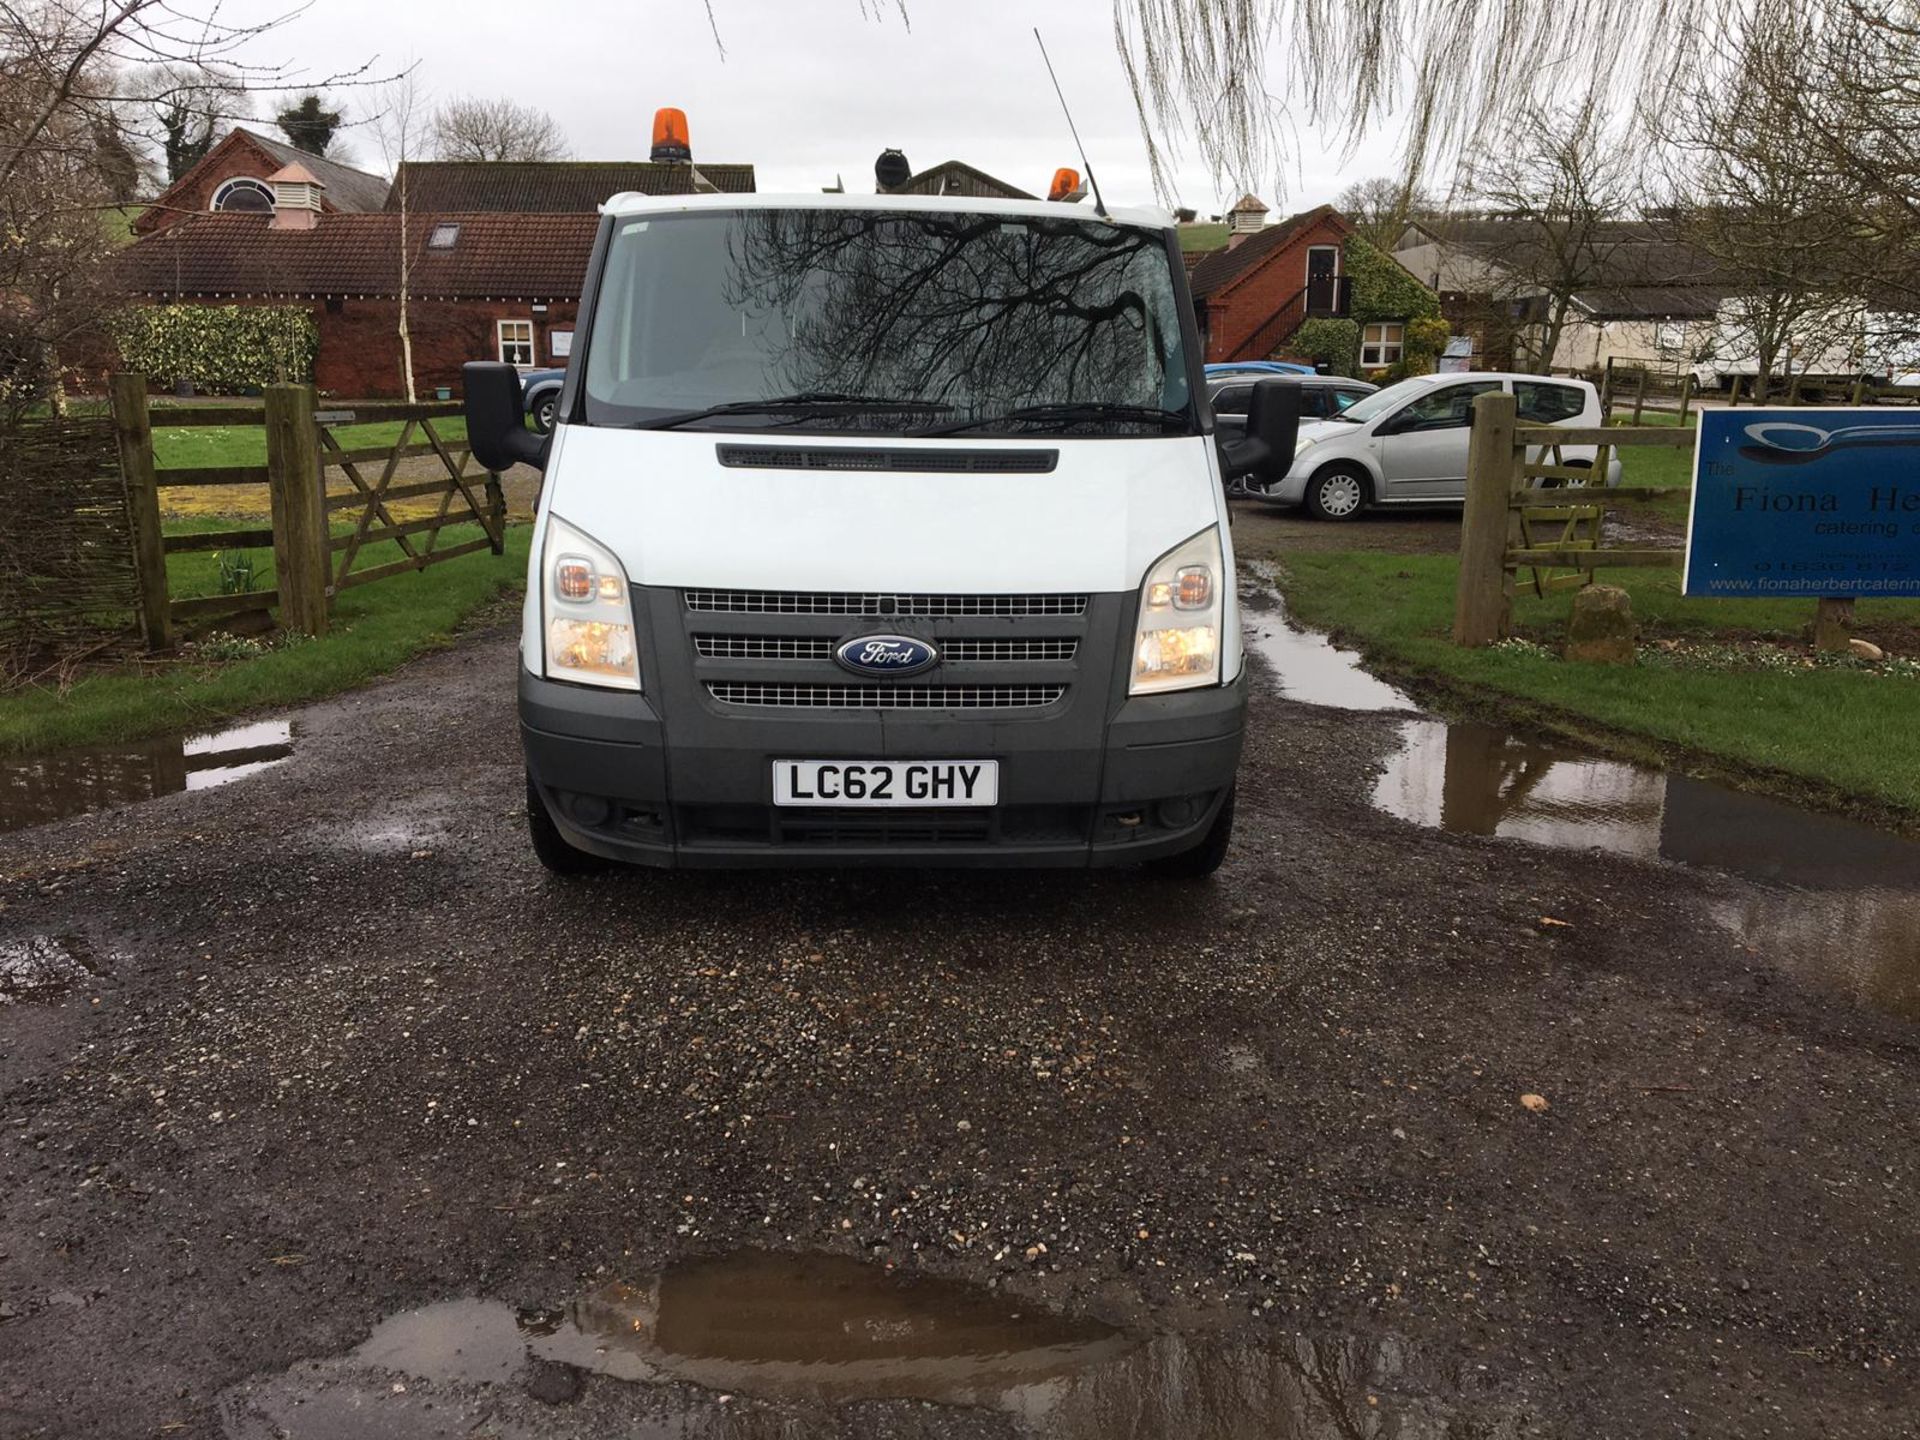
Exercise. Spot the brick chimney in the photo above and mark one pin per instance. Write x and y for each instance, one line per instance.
(296, 198)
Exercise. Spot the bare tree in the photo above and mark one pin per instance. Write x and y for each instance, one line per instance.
(1381, 207)
(1779, 227)
(472, 128)
(180, 109)
(71, 75)
(399, 122)
(1560, 189)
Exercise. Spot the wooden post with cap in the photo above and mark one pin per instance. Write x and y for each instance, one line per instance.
(296, 485)
(1483, 604)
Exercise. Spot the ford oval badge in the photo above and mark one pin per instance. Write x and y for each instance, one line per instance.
(886, 655)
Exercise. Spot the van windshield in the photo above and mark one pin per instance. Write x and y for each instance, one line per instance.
(887, 322)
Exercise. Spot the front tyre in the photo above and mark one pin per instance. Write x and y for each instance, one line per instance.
(550, 846)
(1206, 857)
(543, 412)
(1338, 492)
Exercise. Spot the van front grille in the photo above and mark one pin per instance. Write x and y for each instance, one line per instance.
(763, 647)
(821, 647)
(885, 697)
(838, 602)
(1009, 651)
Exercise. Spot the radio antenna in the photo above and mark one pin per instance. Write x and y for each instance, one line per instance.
(1099, 205)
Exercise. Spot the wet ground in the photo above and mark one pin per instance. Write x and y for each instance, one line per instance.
(1491, 1090)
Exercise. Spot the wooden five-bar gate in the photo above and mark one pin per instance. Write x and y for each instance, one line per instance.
(313, 561)
(1529, 509)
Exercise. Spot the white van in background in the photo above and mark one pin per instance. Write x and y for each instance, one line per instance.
(880, 530)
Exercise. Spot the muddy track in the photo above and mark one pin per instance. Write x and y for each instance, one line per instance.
(345, 1050)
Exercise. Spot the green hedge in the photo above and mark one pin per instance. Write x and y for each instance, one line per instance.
(223, 349)
(1333, 343)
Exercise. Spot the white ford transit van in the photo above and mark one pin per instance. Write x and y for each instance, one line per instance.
(880, 530)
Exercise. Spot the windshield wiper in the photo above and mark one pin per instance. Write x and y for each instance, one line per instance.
(1070, 412)
(804, 403)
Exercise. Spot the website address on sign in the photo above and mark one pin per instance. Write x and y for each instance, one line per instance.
(1806, 585)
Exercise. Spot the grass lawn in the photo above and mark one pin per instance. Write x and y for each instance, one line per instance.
(175, 446)
(1202, 237)
(375, 628)
(1839, 732)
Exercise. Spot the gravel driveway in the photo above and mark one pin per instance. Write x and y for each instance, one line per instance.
(332, 1048)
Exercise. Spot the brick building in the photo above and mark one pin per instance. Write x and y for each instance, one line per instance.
(1256, 290)
(496, 252)
(487, 286)
(235, 175)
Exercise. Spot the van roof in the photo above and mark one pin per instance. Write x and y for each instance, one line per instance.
(632, 203)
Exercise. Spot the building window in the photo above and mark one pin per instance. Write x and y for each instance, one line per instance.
(1382, 345)
(243, 193)
(516, 342)
(444, 237)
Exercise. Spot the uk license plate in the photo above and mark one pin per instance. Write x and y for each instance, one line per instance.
(925, 784)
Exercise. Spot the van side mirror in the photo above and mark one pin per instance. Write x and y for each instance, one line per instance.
(1273, 429)
(496, 428)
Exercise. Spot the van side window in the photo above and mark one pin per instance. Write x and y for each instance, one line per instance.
(1545, 404)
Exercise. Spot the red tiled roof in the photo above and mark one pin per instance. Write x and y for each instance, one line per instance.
(1220, 268)
(507, 257)
(550, 186)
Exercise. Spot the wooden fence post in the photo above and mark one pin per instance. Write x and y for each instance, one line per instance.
(302, 554)
(1860, 390)
(1733, 392)
(1606, 392)
(497, 510)
(1686, 396)
(1483, 605)
(133, 435)
(1640, 395)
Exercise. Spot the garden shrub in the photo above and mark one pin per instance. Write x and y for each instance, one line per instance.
(223, 349)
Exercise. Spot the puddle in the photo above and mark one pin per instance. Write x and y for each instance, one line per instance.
(1842, 903)
(1309, 667)
(825, 1329)
(37, 789)
(41, 967)
(784, 1326)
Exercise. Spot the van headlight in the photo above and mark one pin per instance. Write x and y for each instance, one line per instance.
(1177, 642)
(589, 633)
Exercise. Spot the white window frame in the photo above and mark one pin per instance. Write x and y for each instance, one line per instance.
(1382, 343)
(1336, 260)
(236, 182)
(500, 338)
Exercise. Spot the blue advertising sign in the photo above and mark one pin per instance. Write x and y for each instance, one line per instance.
(1808, 501)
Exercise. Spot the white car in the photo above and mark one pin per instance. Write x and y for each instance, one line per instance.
(1407, 444)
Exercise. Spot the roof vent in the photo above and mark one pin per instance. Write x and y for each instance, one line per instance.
(891, 171)
(296, 198)
(670, 143)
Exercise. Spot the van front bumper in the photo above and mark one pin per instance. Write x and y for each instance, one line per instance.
(621, 782)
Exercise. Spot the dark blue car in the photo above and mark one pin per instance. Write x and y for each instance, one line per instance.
(540, 390)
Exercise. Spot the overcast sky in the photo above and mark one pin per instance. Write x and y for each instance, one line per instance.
(806, 89)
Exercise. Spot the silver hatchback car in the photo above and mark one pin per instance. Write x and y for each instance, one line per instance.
(1407, 444)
